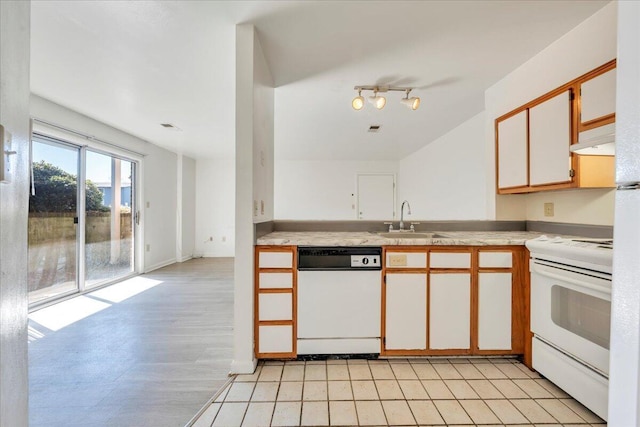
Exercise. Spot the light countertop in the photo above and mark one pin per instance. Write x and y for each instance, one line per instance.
(460, 238)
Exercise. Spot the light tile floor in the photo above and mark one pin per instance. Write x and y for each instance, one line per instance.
(434, 391)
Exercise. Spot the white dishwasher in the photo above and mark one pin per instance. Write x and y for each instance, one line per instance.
(339, 300)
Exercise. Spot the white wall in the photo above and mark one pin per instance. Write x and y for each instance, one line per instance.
(159, 173)
(186, 212)
(587, 46)
(263, 112)
(251, 105)
(215, 208)
(445, 180)
(14, 116)
(320, 190)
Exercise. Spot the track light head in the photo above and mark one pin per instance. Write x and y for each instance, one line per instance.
(412, 103)
(358, 101)
(378, 101)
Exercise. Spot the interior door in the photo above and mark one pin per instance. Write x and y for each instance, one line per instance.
(376, 196)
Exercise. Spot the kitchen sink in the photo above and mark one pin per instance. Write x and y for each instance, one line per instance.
(409, 235)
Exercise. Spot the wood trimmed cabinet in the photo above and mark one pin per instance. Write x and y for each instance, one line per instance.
(533, 141)
(275, 302)
(454, 300)
(436, 300)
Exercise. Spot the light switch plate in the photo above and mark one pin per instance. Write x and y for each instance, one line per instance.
(548, 209)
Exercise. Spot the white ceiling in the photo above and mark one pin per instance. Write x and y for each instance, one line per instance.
(137, 64)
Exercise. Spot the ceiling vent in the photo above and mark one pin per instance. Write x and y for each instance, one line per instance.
(170, 126)
(374, 128)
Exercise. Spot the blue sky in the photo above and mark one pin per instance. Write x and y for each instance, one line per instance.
(66, 158)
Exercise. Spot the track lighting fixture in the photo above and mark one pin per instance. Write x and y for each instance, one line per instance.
(358, 101)
(412, 103)
(380, 101)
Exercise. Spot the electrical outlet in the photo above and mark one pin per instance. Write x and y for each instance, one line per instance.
(148, 247)
(255, 208)
(261, 207)
(548, 209)
(224, 238)
(398, 260)
(211, 238)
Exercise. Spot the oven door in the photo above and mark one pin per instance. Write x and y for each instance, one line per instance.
(571, 310)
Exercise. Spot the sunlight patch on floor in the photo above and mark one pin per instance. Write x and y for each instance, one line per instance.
(125, 289)
(57, 316)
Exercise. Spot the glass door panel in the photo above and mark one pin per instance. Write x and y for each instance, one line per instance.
(53, 216)
(109, 228)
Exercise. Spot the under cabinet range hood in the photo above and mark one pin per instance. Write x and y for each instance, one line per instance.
(596, 142)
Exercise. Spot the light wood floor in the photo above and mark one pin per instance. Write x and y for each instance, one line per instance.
(151, 359)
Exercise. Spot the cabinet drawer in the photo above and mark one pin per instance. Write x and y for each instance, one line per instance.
(275, 260)
(449, 260)
(275, 339)
(275, 280)
(275, 307)
(406, 260)
(496, 259)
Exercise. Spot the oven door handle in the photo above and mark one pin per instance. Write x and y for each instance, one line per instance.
(586, 282)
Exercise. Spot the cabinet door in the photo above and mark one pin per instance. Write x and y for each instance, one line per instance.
(598, 96)
(494, 311)
(549, 141)
(275, 339)
(512, 151)
(406, 311)
(449, 311)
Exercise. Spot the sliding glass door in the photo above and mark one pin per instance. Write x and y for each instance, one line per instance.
(53, 218)
(109, 243)
(79, 239)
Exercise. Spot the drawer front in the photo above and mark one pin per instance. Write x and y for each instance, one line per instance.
(275, 307)
(275, 280)
(406, 260)
(449, 260)
(496, 259)
(275, 339)
(275, 260)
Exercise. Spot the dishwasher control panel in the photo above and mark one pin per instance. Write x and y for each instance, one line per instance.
(365, 261)
(325, 258)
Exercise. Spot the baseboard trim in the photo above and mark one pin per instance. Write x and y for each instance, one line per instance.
(243, 366)
(160, 265)
(185, 258)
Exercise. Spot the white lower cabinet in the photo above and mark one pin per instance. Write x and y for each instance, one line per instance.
(494, 311)
(406, 311)
(449, 311)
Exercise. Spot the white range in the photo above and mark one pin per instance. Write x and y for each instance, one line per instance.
(571, 315)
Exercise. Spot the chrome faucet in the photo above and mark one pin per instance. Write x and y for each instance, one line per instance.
(402, 213)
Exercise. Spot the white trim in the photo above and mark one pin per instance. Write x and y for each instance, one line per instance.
(160, 265)
(185, 258)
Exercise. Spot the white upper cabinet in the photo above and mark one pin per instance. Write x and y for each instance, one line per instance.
(512, 151)
(598, 96)
(549, 140)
